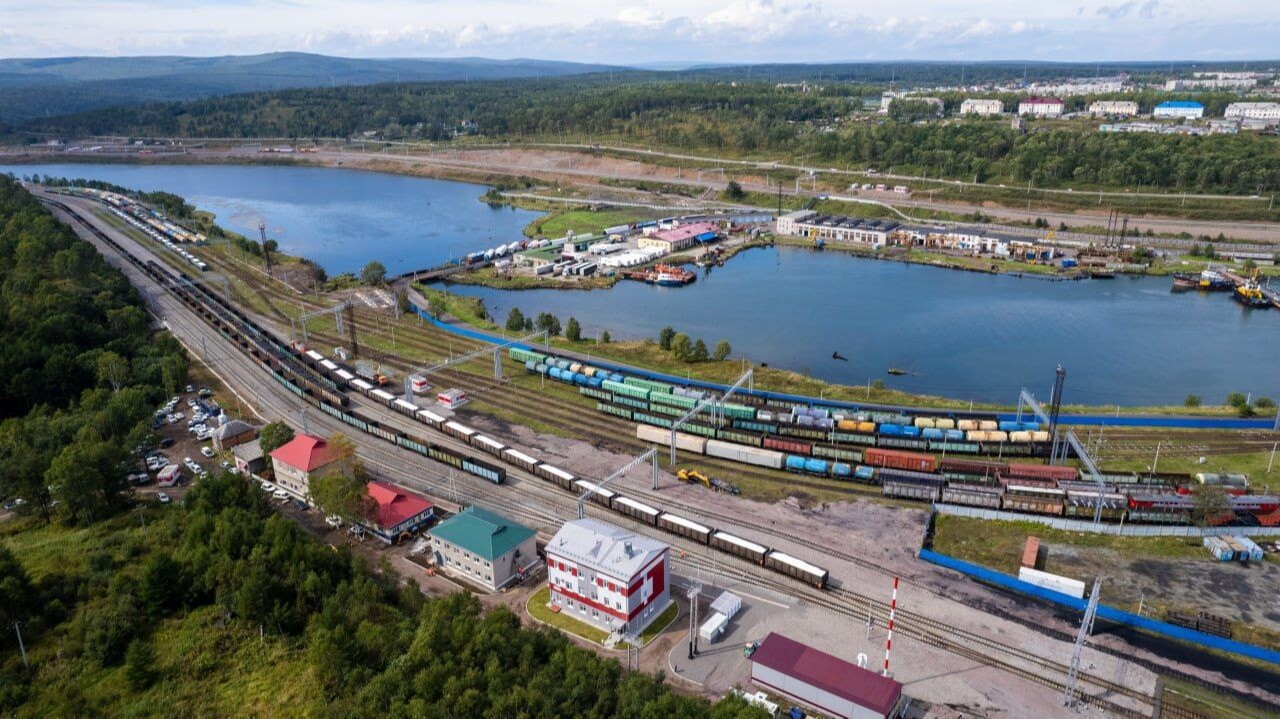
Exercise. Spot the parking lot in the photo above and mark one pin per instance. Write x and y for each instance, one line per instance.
(181, 443)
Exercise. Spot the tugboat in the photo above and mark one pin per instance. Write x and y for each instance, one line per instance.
(663, 275)
(1209, 280)
(897, 372)
(1250, 293)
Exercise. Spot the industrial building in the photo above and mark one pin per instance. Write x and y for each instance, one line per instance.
(607, 576)
(678, 238)
(295, 462)
(1041, 107)
(1253, 110)
(249, 458)
(232, 434)
(483, 548)
(396, 512)
(1185, 109)
(1121, 108)
(836, 228)
(829, 684)
(978, 106)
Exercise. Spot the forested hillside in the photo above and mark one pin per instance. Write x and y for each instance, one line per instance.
(81, 368)
(750, 119)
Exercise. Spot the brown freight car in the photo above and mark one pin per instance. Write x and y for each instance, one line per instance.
(897, 459)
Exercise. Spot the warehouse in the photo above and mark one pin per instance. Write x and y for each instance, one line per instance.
(1179, 108)
(607, 576)
(838, 228)
(829, 684)
(232, 434)
(483, 548)
(679, 238)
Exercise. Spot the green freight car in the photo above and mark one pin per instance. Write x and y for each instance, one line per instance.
(522, 355)
(627, 390)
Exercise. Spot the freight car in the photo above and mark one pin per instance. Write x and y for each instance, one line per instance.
(894, 459)
(736, 545)
(684, 527)
(1036, 500)
(797, 568)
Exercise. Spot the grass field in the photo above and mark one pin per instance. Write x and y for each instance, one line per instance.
(582, 222)
(563, 620)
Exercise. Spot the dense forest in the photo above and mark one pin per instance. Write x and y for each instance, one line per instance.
(82, 369)
(743, 118)
(219, 606)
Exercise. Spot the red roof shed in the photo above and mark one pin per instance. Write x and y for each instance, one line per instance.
(829, 683)
(396, 506)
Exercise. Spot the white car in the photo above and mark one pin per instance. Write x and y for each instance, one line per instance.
(179, 415)
(235, 471)
(280, 494)
(207, 451)
(164, 498)
(224, 464)
(334, 521)
(268, 487)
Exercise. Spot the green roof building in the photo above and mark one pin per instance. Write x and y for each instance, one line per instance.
(483, 548)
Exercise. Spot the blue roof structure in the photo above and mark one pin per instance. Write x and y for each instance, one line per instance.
(1186, 104)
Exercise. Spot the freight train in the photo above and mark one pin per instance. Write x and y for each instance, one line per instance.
(794, 428)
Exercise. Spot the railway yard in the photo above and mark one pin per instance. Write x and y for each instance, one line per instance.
(998, 650)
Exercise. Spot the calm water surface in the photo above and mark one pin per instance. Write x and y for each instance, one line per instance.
(959, 334)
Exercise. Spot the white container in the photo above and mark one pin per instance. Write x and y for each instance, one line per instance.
(713, 627)
(1045, 580)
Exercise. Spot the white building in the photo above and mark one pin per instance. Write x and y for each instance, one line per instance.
(887, 99)
(1125, 108)
(1185, 109)
(1254, 110)
(978, 106)
(1041, 107)
(608, 576)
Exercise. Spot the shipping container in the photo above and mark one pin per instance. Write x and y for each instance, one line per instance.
(744, 454)
(661, 437)
(793, 446)
(1053, 582)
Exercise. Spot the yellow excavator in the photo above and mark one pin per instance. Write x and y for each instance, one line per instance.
(692, 476)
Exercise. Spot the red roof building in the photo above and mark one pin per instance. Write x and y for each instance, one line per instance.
(679, 238)
(293, 463)
(832, 685)
(397, 511)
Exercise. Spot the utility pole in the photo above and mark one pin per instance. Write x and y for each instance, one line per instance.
(21, 646)
(695, 591)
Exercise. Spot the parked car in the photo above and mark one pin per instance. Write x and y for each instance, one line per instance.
(205, 392)
(208, 452)
(164, 498)
(225, 464)
(334, 521)
(280, 494)
(167, 442)
(190, 388)
(268, 487)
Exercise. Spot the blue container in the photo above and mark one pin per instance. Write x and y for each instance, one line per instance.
(816, 466)
(531, 366)
(1030, 426)
(554, 372)
(864, 472)
(891, 430)
(953, 435)
(931, 433)
(840, 469)
(1010, 426)
(795, 463)
(596, 382)
(910, 431)
(579, 378)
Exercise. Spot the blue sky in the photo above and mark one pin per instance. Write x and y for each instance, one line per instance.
(630, 32)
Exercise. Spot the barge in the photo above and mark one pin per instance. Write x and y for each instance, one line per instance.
(1207, 280)
(663, 275)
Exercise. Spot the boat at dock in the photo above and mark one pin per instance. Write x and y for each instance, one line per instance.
(663, 276)
(1250, 293)
(1206, 280)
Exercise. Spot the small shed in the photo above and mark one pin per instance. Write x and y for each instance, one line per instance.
(827, 683)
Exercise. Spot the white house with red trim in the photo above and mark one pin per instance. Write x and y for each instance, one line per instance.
(608, 576)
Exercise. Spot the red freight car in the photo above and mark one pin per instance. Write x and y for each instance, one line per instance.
(970, 466)
(786, 444)
(897, 459)
(1040, 471)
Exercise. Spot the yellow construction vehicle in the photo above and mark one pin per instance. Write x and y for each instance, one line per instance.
(694, 477)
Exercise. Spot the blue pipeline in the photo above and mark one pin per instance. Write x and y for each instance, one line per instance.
(1110, 614)
(1083, 419)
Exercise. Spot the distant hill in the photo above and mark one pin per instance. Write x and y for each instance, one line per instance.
(33, 88)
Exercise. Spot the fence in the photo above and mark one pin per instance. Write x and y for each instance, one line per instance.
(1120, 530)
(1107, 613)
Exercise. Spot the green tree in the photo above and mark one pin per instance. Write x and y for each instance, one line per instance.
(1237, 400)
(1249, 265)
(515, 320)
(722, 350)
(273, 436)
(88, 476)
(161, 585)
(140, 665)
(681, 347)
(665, 337)
(699, 351)
(1192, 400)
(113, 370)
(18, 599)
(549, 322)
(572, 330)
(1264, 403)
(374, 273)
(733, 191)
(345, 495)
(605, 338)
(1209, 502)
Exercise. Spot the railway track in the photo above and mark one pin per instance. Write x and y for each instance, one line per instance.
(855, 599)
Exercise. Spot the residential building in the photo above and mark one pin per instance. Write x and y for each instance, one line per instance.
(294, 463)
(249, 458)
(483, 548)
(1123, 108)
(608, 576)
(1082, 86)
(1227, 83)
(887, 99)
(1185, 109)
(396, 512)
(232, 433)
(824, 682)
(980, 106)
(1041, 107)
(680, 237)
(1253, 110)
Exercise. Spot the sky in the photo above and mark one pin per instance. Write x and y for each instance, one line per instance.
(654, 31)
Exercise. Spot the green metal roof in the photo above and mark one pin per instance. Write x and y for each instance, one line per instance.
(482, 532)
